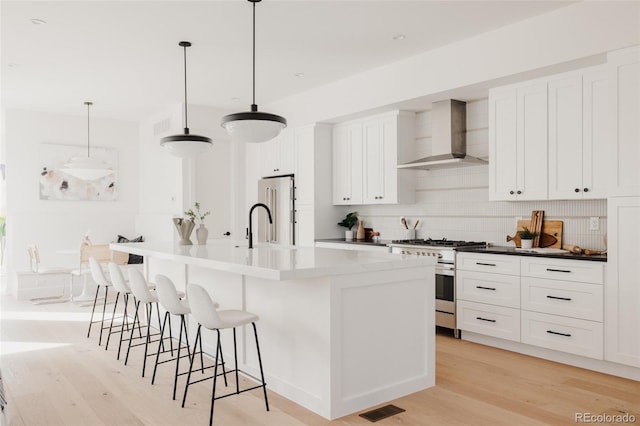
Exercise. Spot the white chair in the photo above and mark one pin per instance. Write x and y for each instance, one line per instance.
(97, 273)
(205, 312)
(37, 268)
(171, 301)
(144, 295)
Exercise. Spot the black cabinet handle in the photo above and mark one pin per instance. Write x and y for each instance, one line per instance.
(586, 189)
(558, 334)
(558, 270)
(511, 192)
(558, 298)
(485, 288)
(577, 190)
(485, 264)
(485, 319)
(519, 192)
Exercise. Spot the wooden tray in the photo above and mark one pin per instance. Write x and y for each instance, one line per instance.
(550, 237)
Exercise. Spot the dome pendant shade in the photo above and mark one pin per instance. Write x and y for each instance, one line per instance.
(253, 126)
(185, 145)
(87, 168)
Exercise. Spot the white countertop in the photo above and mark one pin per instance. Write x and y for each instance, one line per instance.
(273, 261)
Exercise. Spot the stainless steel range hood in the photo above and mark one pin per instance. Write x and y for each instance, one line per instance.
(449, 139)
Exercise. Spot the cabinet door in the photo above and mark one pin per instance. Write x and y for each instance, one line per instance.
(269, 157)
(624, 89)
(565, 137)
(502, 144)
(622, 289)
(532, 125)
(595, 133)
(287, 150)
(373, 162)
(347, 164)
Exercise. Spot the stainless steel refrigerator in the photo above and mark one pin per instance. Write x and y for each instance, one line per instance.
(278, 193)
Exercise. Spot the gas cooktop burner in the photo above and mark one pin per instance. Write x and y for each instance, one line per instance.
(439, 243)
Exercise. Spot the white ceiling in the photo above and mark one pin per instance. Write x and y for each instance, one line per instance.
(124, 55)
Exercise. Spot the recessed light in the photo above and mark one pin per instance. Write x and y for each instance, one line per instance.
(36, 21)
(399, 37)
(299, 74)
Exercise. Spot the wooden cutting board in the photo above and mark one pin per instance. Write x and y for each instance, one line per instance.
(551, 236)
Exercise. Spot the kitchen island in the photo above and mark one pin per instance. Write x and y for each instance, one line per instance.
(340, 330)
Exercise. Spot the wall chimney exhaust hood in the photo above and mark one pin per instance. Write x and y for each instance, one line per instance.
(449, 139)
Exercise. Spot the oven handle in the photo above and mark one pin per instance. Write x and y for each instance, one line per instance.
(447, 270)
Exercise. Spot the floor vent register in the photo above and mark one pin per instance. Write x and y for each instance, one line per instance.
(381, 413)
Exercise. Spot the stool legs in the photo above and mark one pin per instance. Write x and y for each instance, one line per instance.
(264, 385)
(95, 300)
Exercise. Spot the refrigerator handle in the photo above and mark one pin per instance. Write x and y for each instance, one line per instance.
(274, 214)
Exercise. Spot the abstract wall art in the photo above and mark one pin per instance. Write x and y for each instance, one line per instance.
(57, 182)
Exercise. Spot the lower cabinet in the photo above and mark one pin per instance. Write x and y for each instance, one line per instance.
(564, 334)
(491, 320)
(551, 303)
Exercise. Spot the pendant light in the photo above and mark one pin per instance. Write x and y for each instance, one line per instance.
(87, 168)
(185, 145)
(253, 126)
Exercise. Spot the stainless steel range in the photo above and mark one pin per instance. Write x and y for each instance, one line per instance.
(444, 250)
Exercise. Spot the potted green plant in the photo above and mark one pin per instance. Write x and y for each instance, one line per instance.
(198, 216)
(526, 237)
(348, 222)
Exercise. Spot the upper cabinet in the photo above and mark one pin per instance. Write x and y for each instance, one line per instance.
(548, 138)
(624, 103)
(578, 135)
(347, 164)
(365, 157)
(278, 156)
(518, 142)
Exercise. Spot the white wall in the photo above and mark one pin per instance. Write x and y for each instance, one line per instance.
(520, 50)
(55, 225)
(454, 203)
(170, 185)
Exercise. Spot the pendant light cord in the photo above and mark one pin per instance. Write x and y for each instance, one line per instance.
(88, 104)
(186, 121)
(254, 56)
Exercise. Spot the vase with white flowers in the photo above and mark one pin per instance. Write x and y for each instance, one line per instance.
(197, 216)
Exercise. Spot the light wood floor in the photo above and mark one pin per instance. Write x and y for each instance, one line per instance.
(54, 375)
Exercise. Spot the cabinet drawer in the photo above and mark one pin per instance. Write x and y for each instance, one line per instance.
(493, 263)
(567, 270)
(566, 298)
(495, 289)
(564, 334)
(496, 321)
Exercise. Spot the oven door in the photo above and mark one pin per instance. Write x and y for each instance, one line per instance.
(445, 296)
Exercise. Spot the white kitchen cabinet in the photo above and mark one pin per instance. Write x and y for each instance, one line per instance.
(347, 164)
(488, 294)
(366, 154)
(518, 118)
(622, 292)
(562, 305)
(624, 145)
(278, 156)
(578, 135)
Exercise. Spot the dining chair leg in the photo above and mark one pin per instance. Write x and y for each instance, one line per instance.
(133, 329)
(155, 367)
(148, 339)
(104, 308)
(195, 345)
(95, 299)
(113, 314)
(235, 358)
(224, 372)
(215, 379)
(175, 377)
(264, 385)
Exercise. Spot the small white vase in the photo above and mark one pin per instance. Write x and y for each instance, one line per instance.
(201, 234)
(526, 244)
(348, 235)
